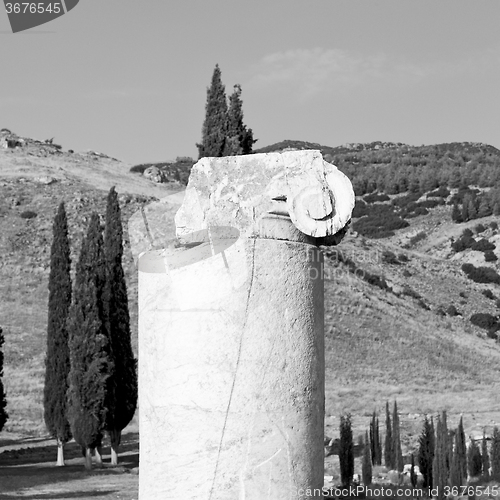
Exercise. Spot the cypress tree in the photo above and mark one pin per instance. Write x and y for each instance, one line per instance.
(396, 437)
(373, 444)
(426, 453)
(388, 451)
(495, 455)
(485, 459)
(239, 138)
(214, 130)
(90, 356)
(57, 363)
(3, 402)
(378, 443)
(413, 475)
(346, 450)
(439, 472)
(474, 459)
(456, 214)
(461, 449)
(456, 477)
(366, 466)
(123, 380)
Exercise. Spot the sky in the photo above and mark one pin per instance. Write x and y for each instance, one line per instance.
(129, 78)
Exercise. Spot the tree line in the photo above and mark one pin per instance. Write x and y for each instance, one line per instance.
(91, 373)
(442, 455)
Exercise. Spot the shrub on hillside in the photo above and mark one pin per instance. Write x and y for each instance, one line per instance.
(371, 198)
(138, 169)
(418, 237)
(479, 228)
(488, 294)
(467, 233)
(28, 214)
(379, 224)
(403, 257)
(389, 257)
(452, 311)
(421, 211)
(409, 292)
(403, 201)
(430, 203)
(493, 225)
(489, 256)
(360, 209)
(485, 320)
(481, 274)
(442, 192)
(483, 245)
(463, 243)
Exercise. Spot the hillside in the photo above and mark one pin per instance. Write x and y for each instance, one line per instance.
(382, 342)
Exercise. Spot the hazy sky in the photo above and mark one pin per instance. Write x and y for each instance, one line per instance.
(128, 77)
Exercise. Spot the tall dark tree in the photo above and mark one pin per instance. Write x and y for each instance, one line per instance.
(214, 131)
(366, 465)
(239, 138)
(396, 439)
(456, 477)
(90, 350)
(3, 402)
(474, 459)
(485, 459)
(57, 363)
(426, 452)
(375, 446)
(495, 455)
(378, 443)
(123, 381)
(439, 466)
(389, 443)
(461, 449)
(413, 474)
(346, 450)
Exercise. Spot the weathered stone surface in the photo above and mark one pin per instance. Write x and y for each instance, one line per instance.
(231, 374)
(241, 190)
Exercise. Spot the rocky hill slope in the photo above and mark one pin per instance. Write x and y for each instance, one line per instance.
(388, 335)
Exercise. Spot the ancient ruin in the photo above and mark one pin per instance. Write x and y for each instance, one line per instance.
(231, 340)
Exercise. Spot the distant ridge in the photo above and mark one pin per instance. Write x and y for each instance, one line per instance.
(452, 147)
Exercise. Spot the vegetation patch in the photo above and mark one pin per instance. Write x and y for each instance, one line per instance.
(490, 256)
(485, 321)
(372, 198)
(418, 237)
(481, 274)
(28, 214)
(483, 245)
(381, 223)
(442, 192)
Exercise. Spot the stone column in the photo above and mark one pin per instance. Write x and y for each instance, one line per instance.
(231, 340)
